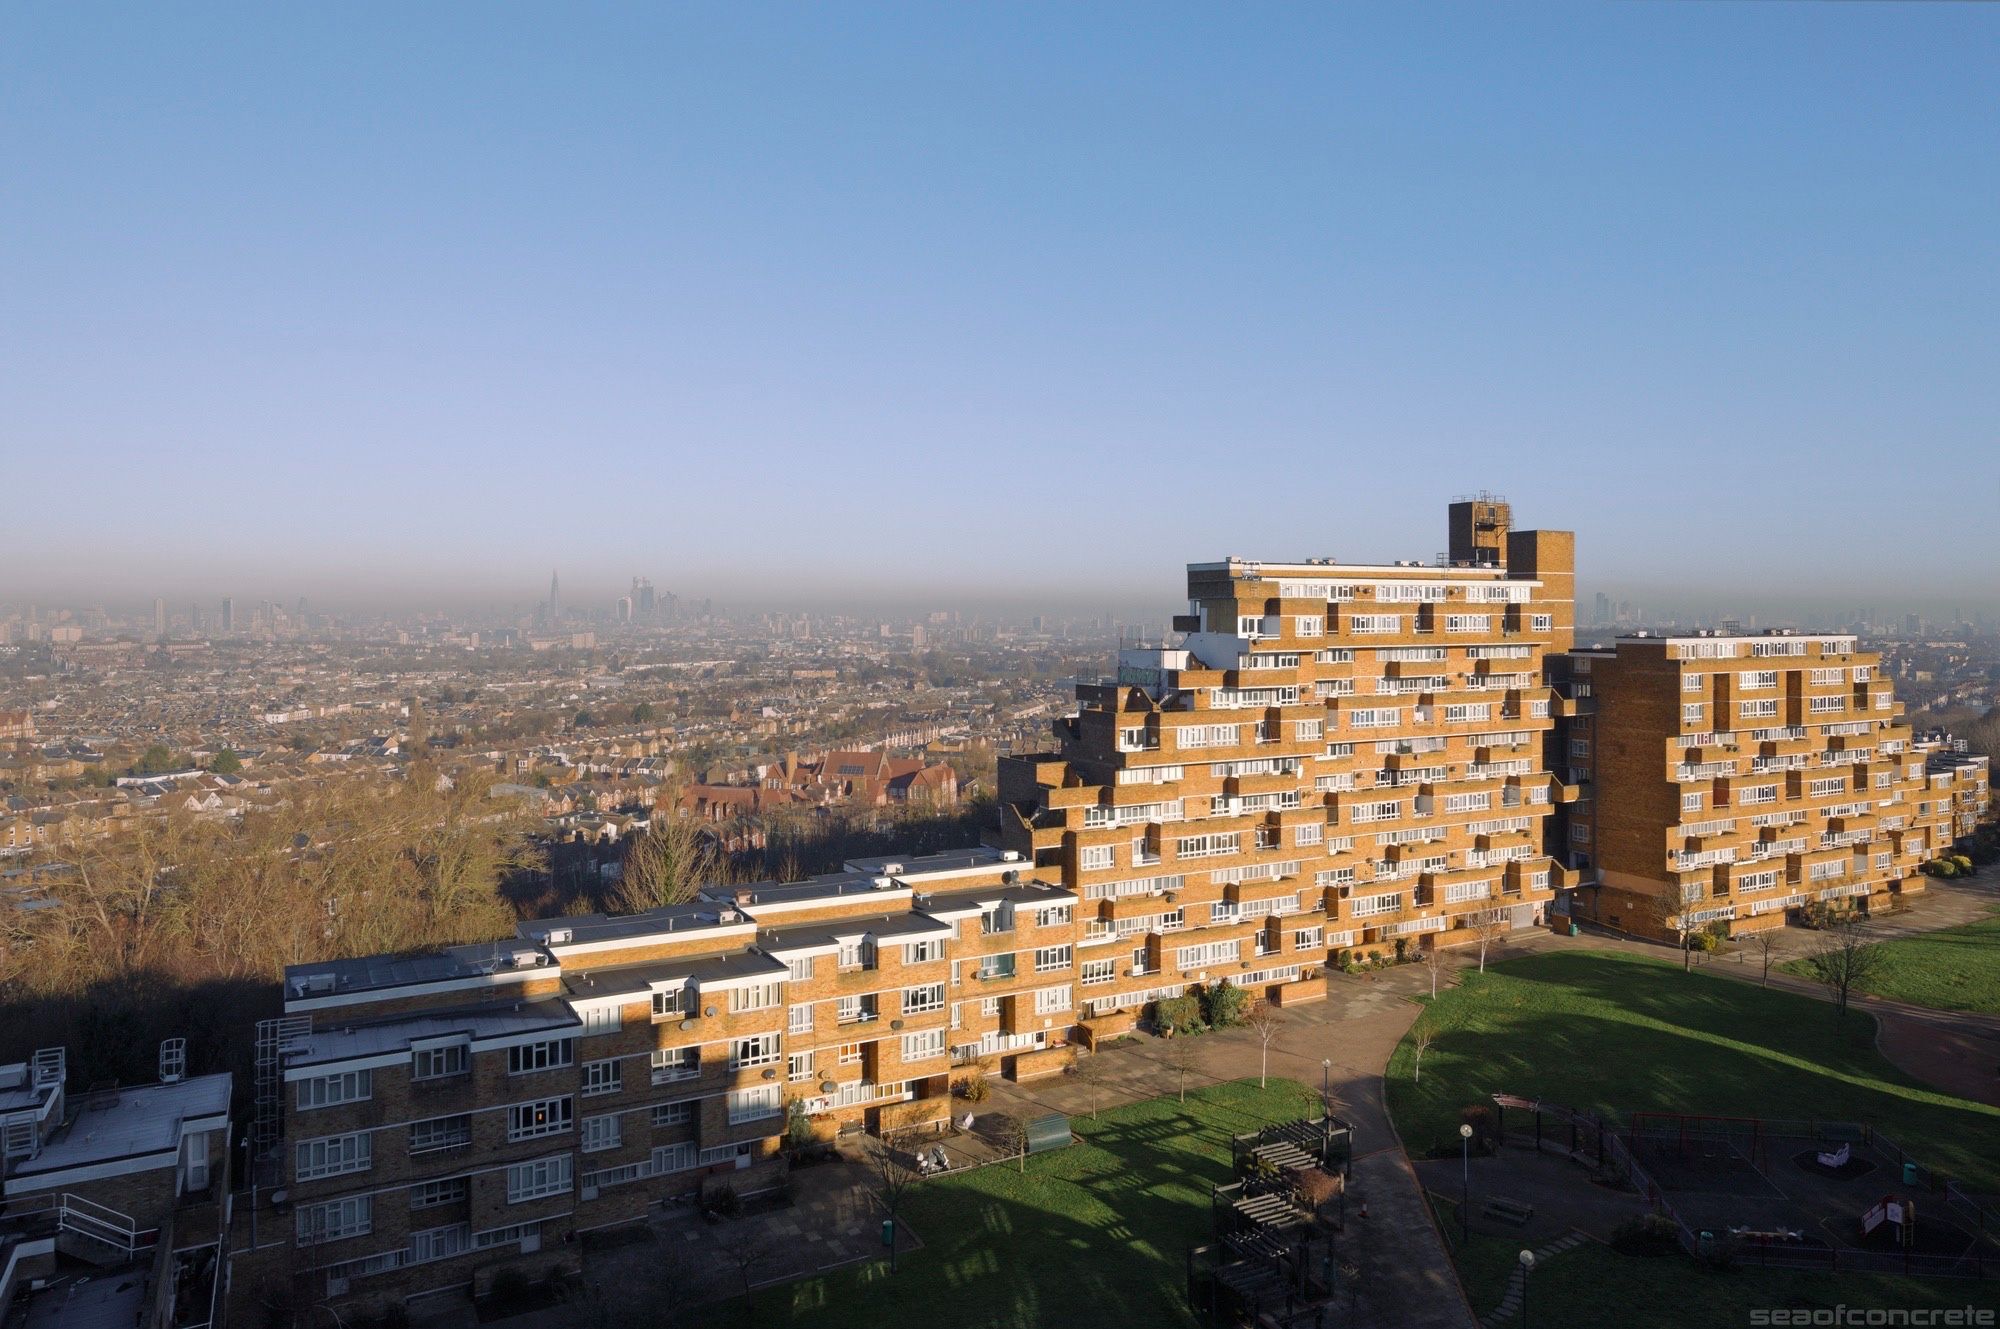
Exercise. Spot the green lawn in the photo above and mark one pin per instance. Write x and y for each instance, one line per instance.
(1618, 1033)
(1092, 1235)
(1957, 969)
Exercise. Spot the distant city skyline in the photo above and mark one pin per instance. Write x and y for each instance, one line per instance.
(794, 304)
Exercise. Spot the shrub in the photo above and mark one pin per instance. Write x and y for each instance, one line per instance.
(1646, 1234)
(1178, 1015)
(509, 1286)
(1945, 868)
(1224, 1004)
(1961, 862)
(725, 1202)
(1375, 956)
(974, 1089)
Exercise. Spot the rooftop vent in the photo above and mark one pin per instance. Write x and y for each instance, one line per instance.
(560, 936)
(891, 869)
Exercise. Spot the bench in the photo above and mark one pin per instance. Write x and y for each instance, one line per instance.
(1511, 1212)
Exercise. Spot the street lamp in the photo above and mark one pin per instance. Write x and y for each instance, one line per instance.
(1527, 1267)
(1465, 1180)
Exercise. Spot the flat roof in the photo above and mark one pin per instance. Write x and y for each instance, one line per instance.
(616, 980)
(972, 859)
(586, 928)
(827, 886)
(128, 1123)
(368, 973)
(805, 936)
(493, 1020)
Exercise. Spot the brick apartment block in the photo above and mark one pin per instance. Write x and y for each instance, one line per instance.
(1332, 757)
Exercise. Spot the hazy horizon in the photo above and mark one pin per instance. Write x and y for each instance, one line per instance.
(992, 305)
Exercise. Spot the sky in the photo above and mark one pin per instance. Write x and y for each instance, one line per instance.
(776, 302)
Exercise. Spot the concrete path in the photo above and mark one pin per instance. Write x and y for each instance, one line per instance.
(1510, 1305)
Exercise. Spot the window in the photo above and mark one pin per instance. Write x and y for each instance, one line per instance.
(799, 1018)
(550, 1116)
(918, 1000)
(1758, 793)
(1051, 957)
(799, 1066)
(1097, 857)
(924, 952)
(1579, 747)
(1468, 622)
(929, 1043)
(1758, 708)
(755, 997)
(1757, 679)
(1207, 846)
(857, 954)
(431, 1194)
(600, 1133)
(440, 1133)
(1048, 1001)
(995, 966)
(437, 1063)
(601, 1019)
(850, 1054)
(1213, 952)
(1099, 971)
(1309, 939)
(544, 1176)
(332, 1090)
(530, 1057)
(669, 1002)
(1374, 717)
(1692, 682)
(855, 1010)
(1365, 906)
(1541, 623)
(799, 971)
(333, 1155)
(439, 1243)
(1000, 918)
(600, 1077)
(1691, 712)
(1312, 834)
(753, 1104)
(673, 1158)
(670, 1064)
(673, 1114)
(758, 1050)
(1690, 802)
(336, 1219)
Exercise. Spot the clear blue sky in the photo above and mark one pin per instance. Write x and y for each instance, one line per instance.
(847, 298)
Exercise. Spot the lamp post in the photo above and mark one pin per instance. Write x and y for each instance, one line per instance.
(1527, 1267)
(1465, 1180)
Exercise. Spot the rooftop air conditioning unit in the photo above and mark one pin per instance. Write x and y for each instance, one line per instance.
(560, 936)
(891, 869)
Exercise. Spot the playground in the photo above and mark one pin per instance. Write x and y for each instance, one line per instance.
(1804, 1193)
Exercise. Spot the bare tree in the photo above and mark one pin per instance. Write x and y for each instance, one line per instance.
(1672, 912)
(1184, 1053)
(748, 1248)
(1434, 963)
(895, 1168)
(668, 864)
(1090, 1071)
(1843, 958)
(1012, 1136)
(1488, 925)
(1765, 943)
(1421, 1039)
(1265, 1021)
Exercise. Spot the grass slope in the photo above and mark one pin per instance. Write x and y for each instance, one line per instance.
(1956, 969)
(1093, 1235)
(1619, 1033)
